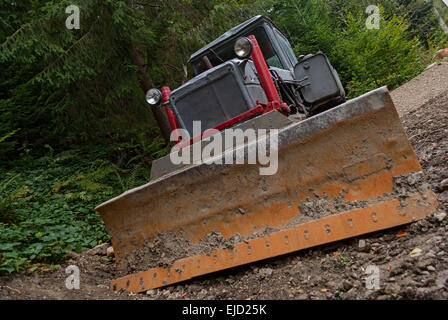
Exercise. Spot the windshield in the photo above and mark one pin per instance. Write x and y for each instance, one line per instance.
(284, 43)
(227, 52)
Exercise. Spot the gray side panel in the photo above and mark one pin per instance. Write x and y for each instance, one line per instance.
(252, 82)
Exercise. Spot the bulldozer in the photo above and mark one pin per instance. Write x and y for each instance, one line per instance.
(343, 168)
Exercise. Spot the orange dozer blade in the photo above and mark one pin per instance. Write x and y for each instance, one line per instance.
(345, 172)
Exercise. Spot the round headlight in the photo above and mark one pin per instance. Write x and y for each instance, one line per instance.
(243, 48)
(153, 96)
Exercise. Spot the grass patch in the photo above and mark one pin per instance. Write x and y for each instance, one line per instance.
(47, 204)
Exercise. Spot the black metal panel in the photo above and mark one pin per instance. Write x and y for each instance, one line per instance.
(320, 79)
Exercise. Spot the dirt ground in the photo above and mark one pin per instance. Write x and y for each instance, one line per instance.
(334, 271)
(423, 88)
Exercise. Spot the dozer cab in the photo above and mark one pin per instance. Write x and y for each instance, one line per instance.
(342, 168)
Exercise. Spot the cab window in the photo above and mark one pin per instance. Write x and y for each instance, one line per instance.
(284, 43)
(222, 54)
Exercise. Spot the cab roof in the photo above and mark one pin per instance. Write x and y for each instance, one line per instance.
(229, 34)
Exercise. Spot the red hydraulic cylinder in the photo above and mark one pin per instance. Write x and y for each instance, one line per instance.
(263, 72)
(171, 117)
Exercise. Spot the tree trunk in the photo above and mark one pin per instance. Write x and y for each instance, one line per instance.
(145, 85)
